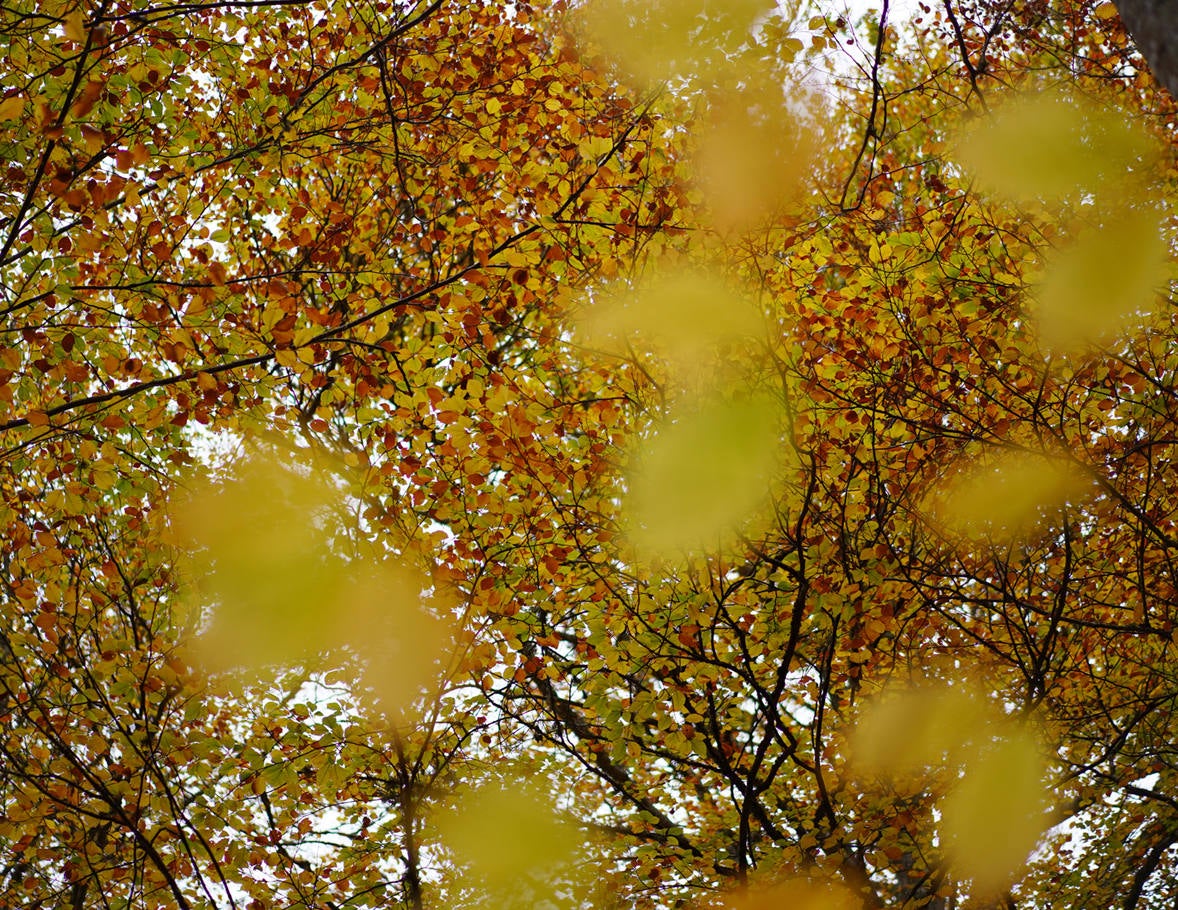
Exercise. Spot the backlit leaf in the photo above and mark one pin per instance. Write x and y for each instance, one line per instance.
(74, 26)
(12, 107)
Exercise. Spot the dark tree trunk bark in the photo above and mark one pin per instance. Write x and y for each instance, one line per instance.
(1153, 26)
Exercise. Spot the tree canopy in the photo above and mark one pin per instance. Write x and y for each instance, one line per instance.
(587, 455)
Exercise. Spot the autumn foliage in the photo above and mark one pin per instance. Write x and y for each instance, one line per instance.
(585, 455)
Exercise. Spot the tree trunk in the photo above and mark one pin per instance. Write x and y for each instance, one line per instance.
(1152, 24)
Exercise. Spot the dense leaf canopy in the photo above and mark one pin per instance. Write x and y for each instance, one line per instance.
(605, 454)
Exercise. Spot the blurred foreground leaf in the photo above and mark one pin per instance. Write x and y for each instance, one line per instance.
(1090, 288)
(1048, 147)
(1008, 495)
(666, 38)
(993, 819)
(903, 734)
(704, 472)
(795, 894)
(754, 154)
(993, 815)
(259, 552)
(508, 838)
(686, 317)
(262, 551)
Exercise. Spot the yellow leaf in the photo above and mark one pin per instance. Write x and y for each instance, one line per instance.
(12, 108)
(302, 337)
(993, 819)
(1091, 289)
(705, 471)
(74, 26)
